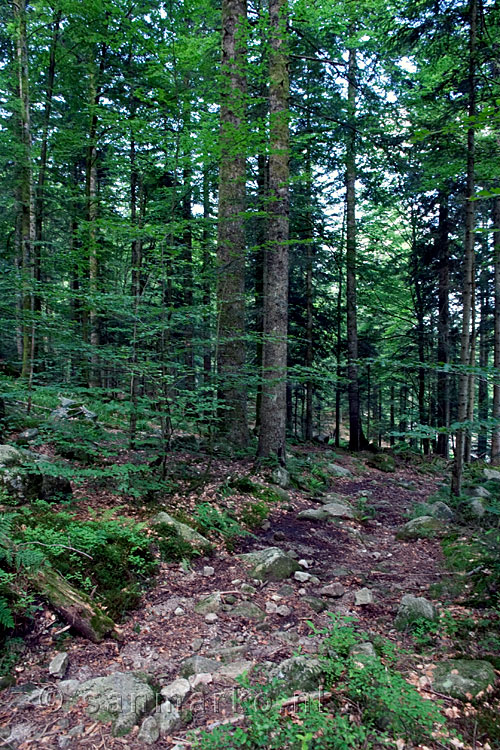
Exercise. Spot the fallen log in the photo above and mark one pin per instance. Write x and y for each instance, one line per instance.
(75, 607)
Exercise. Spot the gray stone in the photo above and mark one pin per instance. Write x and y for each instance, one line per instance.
(198, 665)
(492, 475)
(208, 570)
(149, 733)
(70, 409)
(248, 611)
(27, 436)
(363, 650)
(178, 611)
(442, 511)
(271, 608)
(122, 698)
(235, 669)
(338, 471)
(68, 688)
(55, 488)
(333, 591)
(211, 618)
(20, 484)
(313, 514)
(363, 597)
(478, 492)
(59, 665)
(247, 588)
(421, 528)
(412, 609)
(302, 576)
(281, 477)
(168, 718)
(186, 533)
(299, 673)
(271, 564)
(283, 610)
(316, 604)
(477, 508)
(463, 678)
(382, 462)
(286, 590)
(176, 691)
(338, 510)
(332, 497)
(209, 604)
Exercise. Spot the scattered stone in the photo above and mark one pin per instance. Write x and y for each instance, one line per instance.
(420, 528)
(279, 536)
(304, 564)
(198, 665)
(27, 436)
(412, 609)
(271, 564)
(363, 650)
(176, 691)
(477, 508)
(122, 698)
(70, 409)
(382, 462)
(55, 488)
(302, 576)
(340, 572)
(283, 495)
(247, 588)
(68, 688)
(271, 608)
(168, 718)
(185, 532)
(283, 610)
(333, 591)
(19, 484)
(492, 475)
(204, 678)
(462, 678)
(59, 665)
(338, 510)
(316, 604)
(302, 592)
(281, 477)
(209, 604)
(313, 514)
(299, 673)
(178, 611)
(338, 471)
(208, 570)
(248, 611)
(478, 492)
(363, 597)
(332, 497)
(442, 511)
(149, 732)
(211, 618)
(235, 669)
(285, 590)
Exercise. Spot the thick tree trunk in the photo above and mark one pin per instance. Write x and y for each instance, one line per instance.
(273, 411)
(443, 349)
(495, 437)
(231, 353)
(352, 328)
(261, 235)
(468, 266)
(309, 298)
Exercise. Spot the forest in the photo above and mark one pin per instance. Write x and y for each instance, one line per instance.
(250, 373)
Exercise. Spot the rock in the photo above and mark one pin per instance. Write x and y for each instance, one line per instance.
(382, 462)
(235, 669)
(176, 691)
(313, 514)
(340, 571)
(55, 488)
(286, 590)
(208, 571)
(333, 591)
(149, 733)
(122, 698)
(412, 609)
(316, 604)
(27, 436)
(271, 564)
(198, 665)
(186, 533)
(70, 409)
(283, 495)
(462, 678)
(421, 528)
(20, 484)
(441, 511)
(302, 576)
(283, 610)
(299, 673)
(338, 510)
(478, 492)
(271, 608)
(492, 475)
(209, 604)
(204, 678)
(168, 718)
(59, 665)
(331, 497)
(211, 618)
(178, 611)
(477, 508)
(363, 650)
(338, 471)
(363, 597)
(248, 611)
(68, 688)
(281, 477)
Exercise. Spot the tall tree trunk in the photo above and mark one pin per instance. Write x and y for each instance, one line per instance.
(495, 437)
(231, 353)
(136, 260)
(273, 411)
(309, 296)
(392, 417)
(483, 400)
(352, 327)
(468, 266)
(261, 235)
(443, 349)
(26, 207)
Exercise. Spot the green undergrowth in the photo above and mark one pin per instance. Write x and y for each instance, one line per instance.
(371, 704)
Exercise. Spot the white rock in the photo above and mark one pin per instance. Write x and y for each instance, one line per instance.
(283, 610)
(204, 678)
(208, 570)
(271, 608)
(178, 611)
(59, 665)
(211, 618)
(363, 597)
(301, 576)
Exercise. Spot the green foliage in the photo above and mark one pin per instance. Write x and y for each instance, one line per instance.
(254, 514)
(211, 521)
(173, 548)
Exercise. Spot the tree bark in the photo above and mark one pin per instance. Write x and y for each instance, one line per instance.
(231, 250)
(495, 437)
(443, 348)
(483, 399)
(272, 435)
(468, 266)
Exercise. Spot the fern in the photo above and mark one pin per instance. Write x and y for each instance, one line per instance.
(6, 618)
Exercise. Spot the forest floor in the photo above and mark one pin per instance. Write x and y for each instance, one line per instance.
(165, 629)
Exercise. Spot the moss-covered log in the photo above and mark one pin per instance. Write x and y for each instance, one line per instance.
(75, 607)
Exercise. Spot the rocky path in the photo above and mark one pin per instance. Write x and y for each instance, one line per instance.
(201, 627)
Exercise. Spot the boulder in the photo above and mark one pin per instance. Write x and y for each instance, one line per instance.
(338, 471)
(209, 604)
(316, 604)
(270, 564)
(281, 477)
(492, 475)
(198, 665)
(27, 436)
(463, 678)
(20, 483)
(338, 510)
(176, 691)
(478, 492)
(149, 733)
(412, 609)
(313, 514)
(331, 497)
(382, 462)
(122, 698)
(363, 651)
(299, 673)
(419, 528)
(442, 511)
(70, 409)
(476, 507)
(55, 488)
(186, 533)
